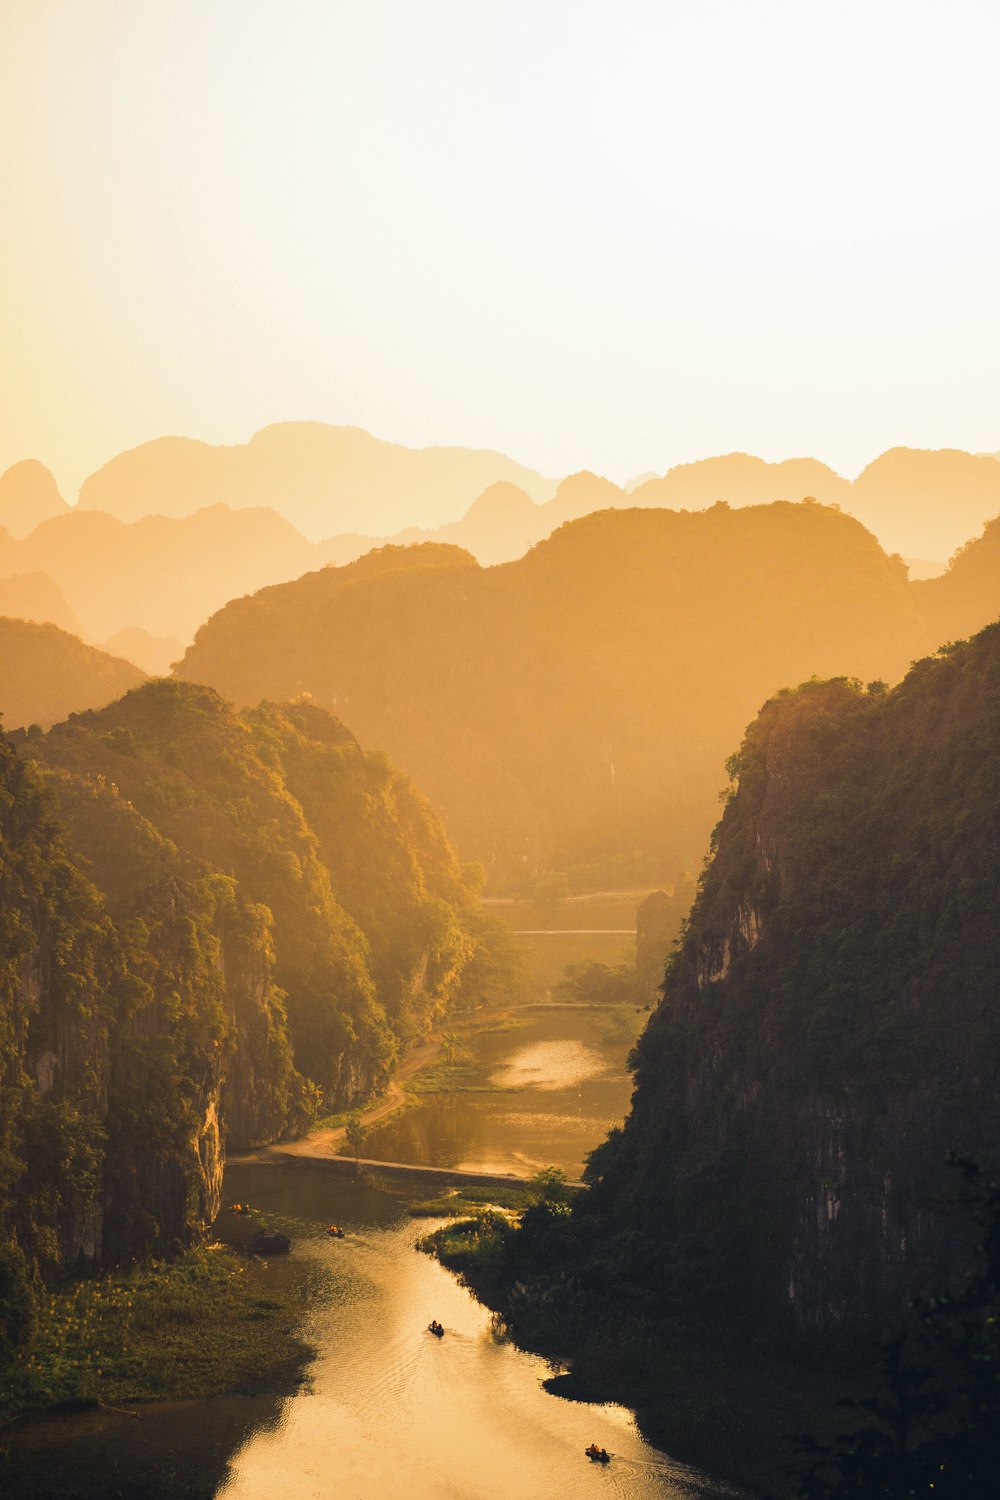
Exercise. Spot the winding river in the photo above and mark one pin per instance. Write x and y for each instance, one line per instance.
(389, 1410)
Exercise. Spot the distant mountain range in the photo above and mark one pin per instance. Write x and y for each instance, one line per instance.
(321, 478)
(167, 533)
(344, 484)
(583, 699)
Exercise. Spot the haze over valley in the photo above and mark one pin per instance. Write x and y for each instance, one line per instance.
(499, 751)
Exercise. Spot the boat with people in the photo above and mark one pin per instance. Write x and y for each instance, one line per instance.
(335, 1232)
(597, 1455)
(436, 1328)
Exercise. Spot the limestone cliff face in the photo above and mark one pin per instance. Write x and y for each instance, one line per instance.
(830, 1028)
(57, 983)
(264, 1098)
(123, 1020)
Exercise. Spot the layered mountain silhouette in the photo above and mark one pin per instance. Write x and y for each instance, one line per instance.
(46, 673)
(583, 698)
(922, 504)
(36, 596)
(164, 572)
(342, 483)
(927, 502)
(28, 495)
(155, 654)
(162, 575)
(322, 478)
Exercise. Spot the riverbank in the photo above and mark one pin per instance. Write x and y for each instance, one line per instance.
(425, 1071)
(742, 1412)
(214, 1326)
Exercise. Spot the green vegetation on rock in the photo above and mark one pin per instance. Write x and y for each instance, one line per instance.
(829, 1033)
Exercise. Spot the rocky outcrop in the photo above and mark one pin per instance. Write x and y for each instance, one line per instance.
(830, 1028)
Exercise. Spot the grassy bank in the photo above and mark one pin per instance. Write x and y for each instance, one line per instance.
(211, 1323)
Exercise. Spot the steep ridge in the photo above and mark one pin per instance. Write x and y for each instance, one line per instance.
(924, 501)
(113, 1046)
(160, 574)
(235, 797)
(45, 674)
(582, 699)
(830, 1028)
(37, 597)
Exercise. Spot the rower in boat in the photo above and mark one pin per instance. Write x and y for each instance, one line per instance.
(335, 1232)
(436, 1328)
(597, 1455)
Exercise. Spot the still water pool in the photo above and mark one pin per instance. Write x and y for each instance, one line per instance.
(544, 1091)
(391, 1411)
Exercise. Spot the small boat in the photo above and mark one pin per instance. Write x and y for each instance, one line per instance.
(597, 1455)
(335, 1232)
(435, 1327)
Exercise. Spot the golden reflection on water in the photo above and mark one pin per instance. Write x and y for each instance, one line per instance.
(551, 1065)
(395, 1412)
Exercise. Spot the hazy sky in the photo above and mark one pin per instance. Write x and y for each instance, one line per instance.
(613, 236)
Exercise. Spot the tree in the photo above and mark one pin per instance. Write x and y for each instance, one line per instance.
(356, 1135)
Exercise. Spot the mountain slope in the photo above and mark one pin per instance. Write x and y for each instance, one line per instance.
(580, 700)
(372, 923)
(830, 1027)
(37, 597)
(28, 496)
(46, 674)
(115, 1036)
(927, 502)
(163, 575)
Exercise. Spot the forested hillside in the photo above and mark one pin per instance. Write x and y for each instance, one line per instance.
(373, 924)
(581, 701)
(115, 1035)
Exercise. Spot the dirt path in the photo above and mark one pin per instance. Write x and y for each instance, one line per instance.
(326, 1141)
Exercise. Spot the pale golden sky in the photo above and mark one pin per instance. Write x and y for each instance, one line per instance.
(607, 235)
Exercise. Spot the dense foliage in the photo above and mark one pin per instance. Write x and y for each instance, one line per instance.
(372, 922)
(112, 1045)
(236, 917)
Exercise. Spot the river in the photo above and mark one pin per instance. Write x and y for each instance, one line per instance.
(540, 1089)
(390, 1410)
(387, 1410)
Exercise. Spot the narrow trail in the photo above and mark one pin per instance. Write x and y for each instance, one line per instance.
(325, 1141)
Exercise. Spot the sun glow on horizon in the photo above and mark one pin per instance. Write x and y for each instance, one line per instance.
(588, 236)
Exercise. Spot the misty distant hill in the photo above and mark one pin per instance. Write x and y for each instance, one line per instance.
(28, 496)
(921, 504)
(155, 654)
(583, 699)
(36, 596)
(925, 502)
(322, 478)
(161, 574)
(45, 674)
